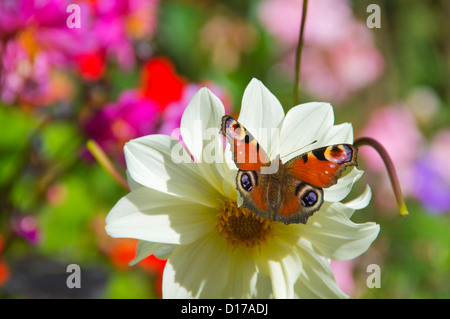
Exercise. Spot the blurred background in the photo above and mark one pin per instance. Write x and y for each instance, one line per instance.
(111, 71)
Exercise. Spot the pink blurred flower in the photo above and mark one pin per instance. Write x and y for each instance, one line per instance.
(396, 129)
(15, 15)
(22, 76)
(339, 54)
(35, 39)
(27, 228)
(328, 21)
(343, 273)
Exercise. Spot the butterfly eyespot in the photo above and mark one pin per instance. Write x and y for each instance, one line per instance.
(246, 182)
(308, 195)
(309, 199)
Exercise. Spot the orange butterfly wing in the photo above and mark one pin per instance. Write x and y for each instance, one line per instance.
(307, 174)
(323, 166)
(247, 154)
(299, 203)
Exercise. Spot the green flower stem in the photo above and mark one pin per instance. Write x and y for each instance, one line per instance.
(106, 163)
(390, 169)
(298, 57)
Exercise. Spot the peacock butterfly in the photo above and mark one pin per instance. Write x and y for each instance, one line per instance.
(294, 191)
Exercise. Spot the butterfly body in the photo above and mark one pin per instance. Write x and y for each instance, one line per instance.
(287, 192)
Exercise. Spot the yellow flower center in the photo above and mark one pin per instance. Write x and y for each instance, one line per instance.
(241, 227)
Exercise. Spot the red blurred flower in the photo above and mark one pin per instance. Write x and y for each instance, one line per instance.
(122, 251)
(154, 265)
(4, 272)
(91, 65)
(4, 268)
(161, 83)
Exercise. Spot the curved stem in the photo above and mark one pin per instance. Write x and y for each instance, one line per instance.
(106, 163)
(298, 56)
(390, 169)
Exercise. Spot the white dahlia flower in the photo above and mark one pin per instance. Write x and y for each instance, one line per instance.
(184, 208)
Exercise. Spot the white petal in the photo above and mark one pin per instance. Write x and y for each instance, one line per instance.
(145, 249)
(131, 182)
(338, 134)
(150, 215)
(343, 187)
(263, 288)
(282, 288)
(361, 201)
(200, 127)
(229, 184)
(262, 114)
(198, 270)
(242, 277)
(317, 279)
(164, 252)
(304, 124)
(150, 163)
(281, 263)
(335, 236)
(203, 112)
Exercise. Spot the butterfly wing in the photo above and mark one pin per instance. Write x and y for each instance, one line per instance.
(323, 166)
(247, 153)
(249, 158)
(298, 202)
(254, 190)
(294, 192)
(306, 175)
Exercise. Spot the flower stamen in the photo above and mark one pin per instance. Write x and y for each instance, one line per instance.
(241, 227)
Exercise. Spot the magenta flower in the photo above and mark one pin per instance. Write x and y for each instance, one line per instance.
(35, 40)
(23, 76)
(135, 115)
(155, 107)
(130, 117)
(111, 27)
(27, 228)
